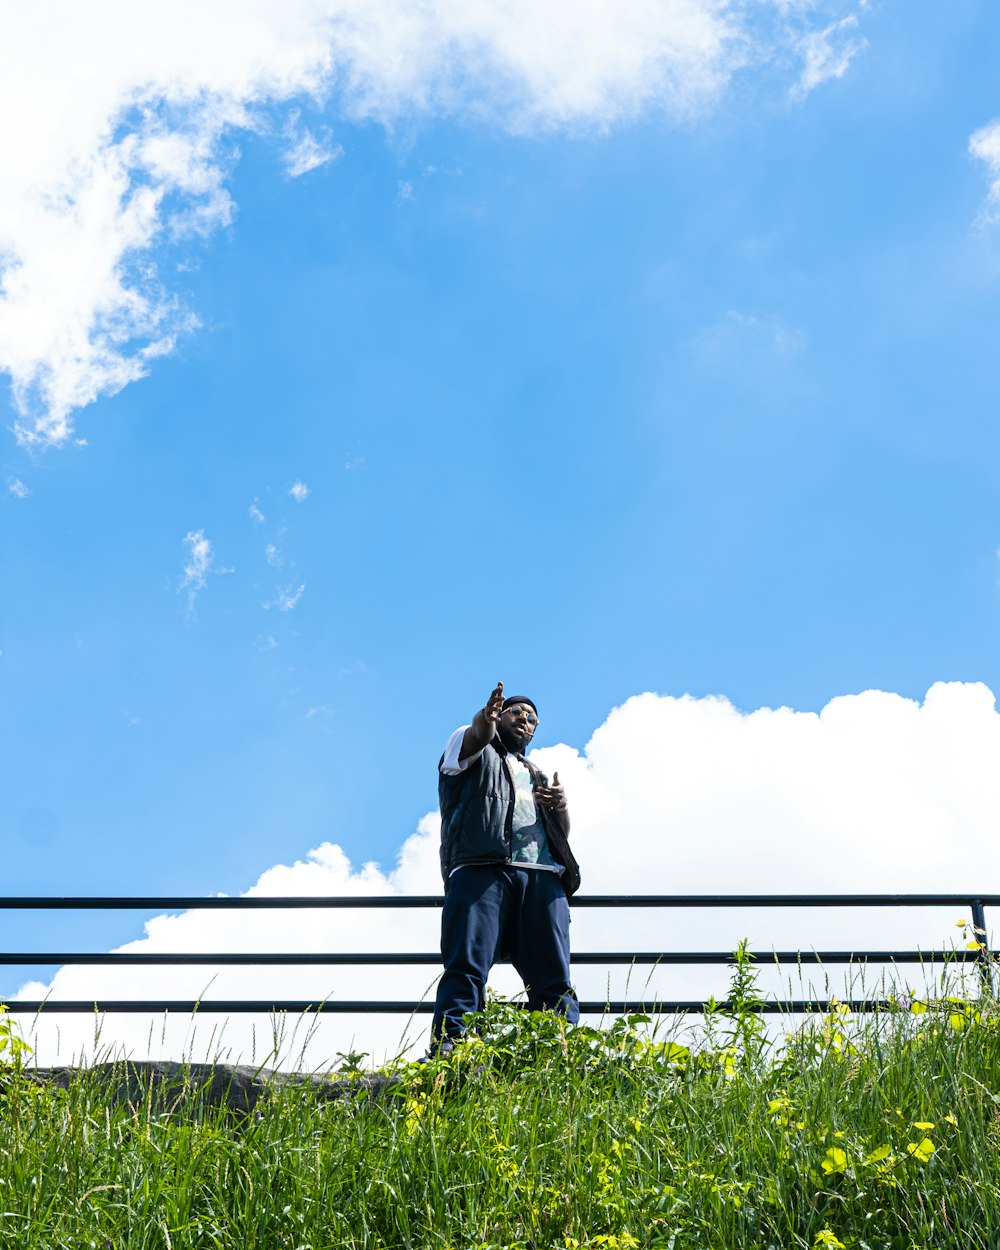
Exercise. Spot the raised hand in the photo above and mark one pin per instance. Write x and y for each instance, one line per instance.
(494, 704)
(484, 725)
(552, 796)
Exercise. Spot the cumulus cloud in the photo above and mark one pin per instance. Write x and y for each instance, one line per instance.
(17, 488)
(299, 491)
(255, 514)
(875, 793)
(325, 870)
(985, 146)
(119, 128)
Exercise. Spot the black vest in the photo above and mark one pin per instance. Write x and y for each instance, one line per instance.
(477, 815)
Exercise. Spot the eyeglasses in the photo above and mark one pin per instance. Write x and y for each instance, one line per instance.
(516, 709)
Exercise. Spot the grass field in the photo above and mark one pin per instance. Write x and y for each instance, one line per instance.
(882, 1131)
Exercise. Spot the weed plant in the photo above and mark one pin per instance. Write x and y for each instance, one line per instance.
(875, 1132)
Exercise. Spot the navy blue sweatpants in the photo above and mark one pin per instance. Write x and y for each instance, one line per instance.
(492, 911)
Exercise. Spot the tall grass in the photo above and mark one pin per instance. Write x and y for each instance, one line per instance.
(881, 1131)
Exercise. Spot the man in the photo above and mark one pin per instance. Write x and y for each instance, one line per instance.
(507, 867)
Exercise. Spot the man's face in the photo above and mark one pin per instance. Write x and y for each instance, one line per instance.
(517, 725)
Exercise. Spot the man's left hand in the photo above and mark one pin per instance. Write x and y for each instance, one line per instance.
(552, 796)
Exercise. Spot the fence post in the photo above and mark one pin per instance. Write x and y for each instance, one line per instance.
(985, 956)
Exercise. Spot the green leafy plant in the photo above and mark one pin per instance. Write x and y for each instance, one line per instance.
(13, 1048)
(878, 1131)
(746, 1032)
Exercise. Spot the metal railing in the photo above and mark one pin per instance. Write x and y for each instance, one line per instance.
(982, 957)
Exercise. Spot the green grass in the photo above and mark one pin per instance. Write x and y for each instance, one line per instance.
(877, 1132)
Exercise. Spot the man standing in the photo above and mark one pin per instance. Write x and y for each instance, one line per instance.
(507, 867)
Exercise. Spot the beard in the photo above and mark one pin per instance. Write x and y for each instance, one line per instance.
(513, 741)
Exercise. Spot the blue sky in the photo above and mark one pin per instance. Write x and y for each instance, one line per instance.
(693, 404)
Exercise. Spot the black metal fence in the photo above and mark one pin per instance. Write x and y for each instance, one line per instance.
(982, 956)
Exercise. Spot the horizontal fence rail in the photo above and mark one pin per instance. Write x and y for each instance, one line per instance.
(242, 902)
(983, 957)
(409, 958)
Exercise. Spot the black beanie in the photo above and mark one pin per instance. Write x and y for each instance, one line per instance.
(519, 698)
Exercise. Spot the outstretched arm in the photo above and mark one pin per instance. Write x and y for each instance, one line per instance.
(484, 725)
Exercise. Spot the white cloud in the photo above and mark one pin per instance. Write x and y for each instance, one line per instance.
(286, 600)
(674, 795)
(740, 336)
(827, 54)
(985, 146)
(358, 667)
(255, 514)
(200, 562)
(17, 488)
(404, 191)
(306, 151)
(299, 491)
(273, 555)
(117, 130)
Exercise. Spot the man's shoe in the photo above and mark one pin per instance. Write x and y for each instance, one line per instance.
(442, 1049)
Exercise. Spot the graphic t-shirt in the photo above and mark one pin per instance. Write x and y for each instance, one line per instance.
(529, 845)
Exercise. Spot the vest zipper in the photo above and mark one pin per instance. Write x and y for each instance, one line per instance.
(509, 818)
